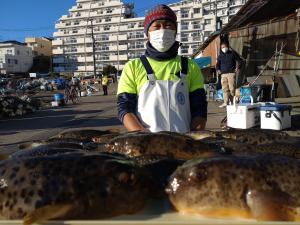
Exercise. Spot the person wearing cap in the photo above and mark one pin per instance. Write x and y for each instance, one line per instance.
(162, 91)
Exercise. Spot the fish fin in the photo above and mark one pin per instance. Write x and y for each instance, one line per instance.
(47, 212)
(271, 205)
(115, 130)
(30, 145)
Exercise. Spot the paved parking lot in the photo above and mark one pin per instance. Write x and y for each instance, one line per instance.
(97, 112)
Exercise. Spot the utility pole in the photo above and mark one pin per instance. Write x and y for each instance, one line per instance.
(94, 48)
(118, 49)
(216, 15)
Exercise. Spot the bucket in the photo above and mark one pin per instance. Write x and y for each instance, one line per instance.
(58, 97)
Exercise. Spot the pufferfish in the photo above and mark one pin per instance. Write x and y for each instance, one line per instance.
(261, 187)
(74, 185)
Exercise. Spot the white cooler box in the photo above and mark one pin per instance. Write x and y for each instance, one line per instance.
(275, 117)
(243, 116)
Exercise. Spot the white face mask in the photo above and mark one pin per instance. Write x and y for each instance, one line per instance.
(163, 39)
(224, 50)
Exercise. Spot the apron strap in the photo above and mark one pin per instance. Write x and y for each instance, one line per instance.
(148, 68)
(184, 67)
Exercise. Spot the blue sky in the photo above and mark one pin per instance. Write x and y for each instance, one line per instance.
(23, 18)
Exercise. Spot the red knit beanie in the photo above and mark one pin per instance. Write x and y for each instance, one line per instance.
(159, 12)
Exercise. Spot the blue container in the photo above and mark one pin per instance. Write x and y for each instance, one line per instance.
(246, 94)
(59, 97)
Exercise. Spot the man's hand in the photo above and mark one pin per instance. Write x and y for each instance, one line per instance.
(237, 70)
(132, 123)
(219, 72)
(198, 123)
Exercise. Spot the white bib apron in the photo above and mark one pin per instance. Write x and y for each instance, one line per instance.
(164, 105)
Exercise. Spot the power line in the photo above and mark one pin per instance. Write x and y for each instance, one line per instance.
(25, 29)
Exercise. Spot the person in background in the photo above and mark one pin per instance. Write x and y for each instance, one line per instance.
(75, 82)
(162, 91)
(105, 84)
(228, 65)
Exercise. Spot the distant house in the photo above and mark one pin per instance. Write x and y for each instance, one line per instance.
(40, 46)
(15, 57)
(259, 30)
(42, 53)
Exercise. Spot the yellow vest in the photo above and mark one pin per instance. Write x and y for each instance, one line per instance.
(104, 80)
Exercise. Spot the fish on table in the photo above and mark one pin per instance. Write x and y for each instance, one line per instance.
(169, 144)
(263, 187)
(71, 186)
(86, 134)
(252, 141)
(59, 142)
(251, 136)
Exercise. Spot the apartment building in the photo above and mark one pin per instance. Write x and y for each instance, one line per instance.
(15, 57)
(119, 35)
(40, 46)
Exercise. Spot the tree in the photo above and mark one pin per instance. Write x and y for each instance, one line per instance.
(109, 69)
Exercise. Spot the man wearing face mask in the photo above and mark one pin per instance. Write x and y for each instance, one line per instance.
(228, 65)
(162, 91)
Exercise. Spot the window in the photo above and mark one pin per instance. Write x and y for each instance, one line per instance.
(207, 21)
(18, 52)
(9, 51)
(184, 49)
(184, 37)
(109, 10)
(184, 25)
(8, 61)
(76, 23)
(135, 35)
(197, 10)
(184, 13)
(131, 25)
(106, 28)
(16, 62)
(107, 19)
(196, 25)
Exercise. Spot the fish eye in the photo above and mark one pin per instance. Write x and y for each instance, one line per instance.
(197, 175)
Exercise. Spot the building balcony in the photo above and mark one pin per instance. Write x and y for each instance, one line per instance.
(60, 25)
(115, 38)
(85, 50)
(57, 42)
(58, 51)
(85, 59)
(85, 68)
(121, 57)
(121, 48)
(58, 34)
(84, 40)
